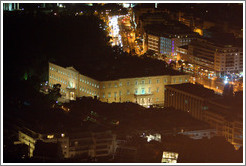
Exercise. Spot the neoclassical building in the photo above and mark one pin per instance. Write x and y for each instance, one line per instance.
(145, 91)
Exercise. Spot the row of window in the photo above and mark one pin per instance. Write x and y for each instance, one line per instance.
(136, 83)
(88, 91)
(63, 73)
(61, 80)
(128, 92)
(89, 83)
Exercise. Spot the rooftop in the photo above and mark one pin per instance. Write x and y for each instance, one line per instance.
(195, 89)
(170, 29)
(120, 67)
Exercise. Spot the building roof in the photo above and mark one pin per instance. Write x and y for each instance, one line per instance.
(170, 29)
(126, 67)
(194, 89)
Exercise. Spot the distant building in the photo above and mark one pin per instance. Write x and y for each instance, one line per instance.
(188, 97)
(203, 104)
(199, 134)
(216, 57)
(76, 144)
(145, 91)
(166, 39)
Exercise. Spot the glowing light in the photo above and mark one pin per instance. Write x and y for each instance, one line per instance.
(225, 82)
(62, 135)
(50, 136)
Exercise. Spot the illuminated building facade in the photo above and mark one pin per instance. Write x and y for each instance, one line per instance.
(167, 39)
(145, 91)
(215, 57)
(11, 6)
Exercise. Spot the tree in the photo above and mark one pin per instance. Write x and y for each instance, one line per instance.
(54, 93)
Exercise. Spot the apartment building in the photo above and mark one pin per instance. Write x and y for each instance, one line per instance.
(75, 144)
(216, 57)
(145, 91)
(166, 39)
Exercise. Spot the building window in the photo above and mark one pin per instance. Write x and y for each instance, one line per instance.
(109, 95)
(128, 83)
(115, 94)
(103, 95)
(143, 82)
(136, 83)
(157, 81)
(143, 91)
(128, 92)
(180, 80)
(149, 89)
(157, 90)
(165, 80)
(115, 85)
(120, 84)
(136, 91)
(174, 80)
(157, 99)
(103, 86)
(119, 93)
(149, 81)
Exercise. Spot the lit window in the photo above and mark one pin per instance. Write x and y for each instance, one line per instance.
(157, 81)
(98, 86)
(119, 93)
(149, 90)
(50, 136)
(103, 86)
(128, 92)
(136, 91)
(157, 90)
(143, 91)
(115, 85)
(120, 84)
(103, 95)
(109, 95)
(115, 94)
(128, 83)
